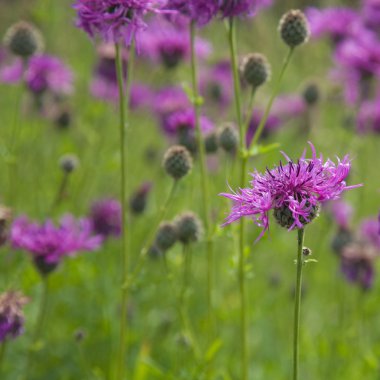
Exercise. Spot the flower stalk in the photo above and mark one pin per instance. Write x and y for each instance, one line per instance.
(297, 304)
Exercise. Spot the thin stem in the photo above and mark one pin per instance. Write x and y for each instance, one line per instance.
(204, 179)
(61, 191)
(276, 90)
(243, 162)
(123, 200)
(297, 305)
(38, 326)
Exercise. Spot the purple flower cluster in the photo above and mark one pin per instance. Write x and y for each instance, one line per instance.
(116, 21)
(49, 244)
(294, 191)
(232, 8)
(43, 74)
(11, 314)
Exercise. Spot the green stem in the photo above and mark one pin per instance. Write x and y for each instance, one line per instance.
(61, 192)
(123, 109)
(297, 305)
(243, 161)
(204, 179)
(276, 90)
(38, 326)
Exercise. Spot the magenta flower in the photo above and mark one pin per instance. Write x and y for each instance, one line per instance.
(11, 314)
(104, 85)
(105, 218)
(49, 244)
(341, 211)
(200, 11)
(168, 100)
(368, 118)
(43, 73)
(216, 84)
(369, 229)
(294, 191)
(168, 44)
(336, 23)
(232, 8)
(116, 21)
(370, 13)
(184, 120)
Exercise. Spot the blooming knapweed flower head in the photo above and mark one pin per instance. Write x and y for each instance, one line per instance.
(105, 217)
(232, 8)
(116, 21)
(293, 191)
(49, 244)
(11, 314)
(335, 23)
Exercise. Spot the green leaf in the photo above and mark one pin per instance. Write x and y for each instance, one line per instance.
(213, 349)
(262, 149)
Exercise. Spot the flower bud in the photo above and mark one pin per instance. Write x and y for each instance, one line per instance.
(311, 94)
(294, 28)
(139, 199)
(189, 227)
(177, 161)
(68, 163)
(228, 138)
(23, 39)
(166, 236)
(255, 69)
(211, 143)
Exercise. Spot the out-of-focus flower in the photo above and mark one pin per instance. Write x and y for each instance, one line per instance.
(368, 118)
(199, 11)
(105, 217)
(370, 12)
(165, 43)
(116, 21)
(49, 244)
(168, 100)
(369, 230)
(216, 84)
(341, 211)
(335, 23)
(104, 84)
(357, 263)
(139, 198)
(294, 191)
(11, 314)
(232, 8)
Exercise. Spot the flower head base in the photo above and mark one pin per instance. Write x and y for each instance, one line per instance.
(49, 244)
(114, 20)
(11, 314)
(293, 190)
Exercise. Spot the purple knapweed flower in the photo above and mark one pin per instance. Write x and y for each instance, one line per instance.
(369, 229)
(341, 212)
(105, 217)
(168, 100)
(358, 263)
(42, 74)
(272, 124)
(49, 244)
(370, 13)
(232, 8)
(294, 191)
(115, 21)
(104, 85)
(216, 84)
(184, 120)
(199, 11)
(368, 117)
(11, 314)
(165, 43)
(336, 23)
